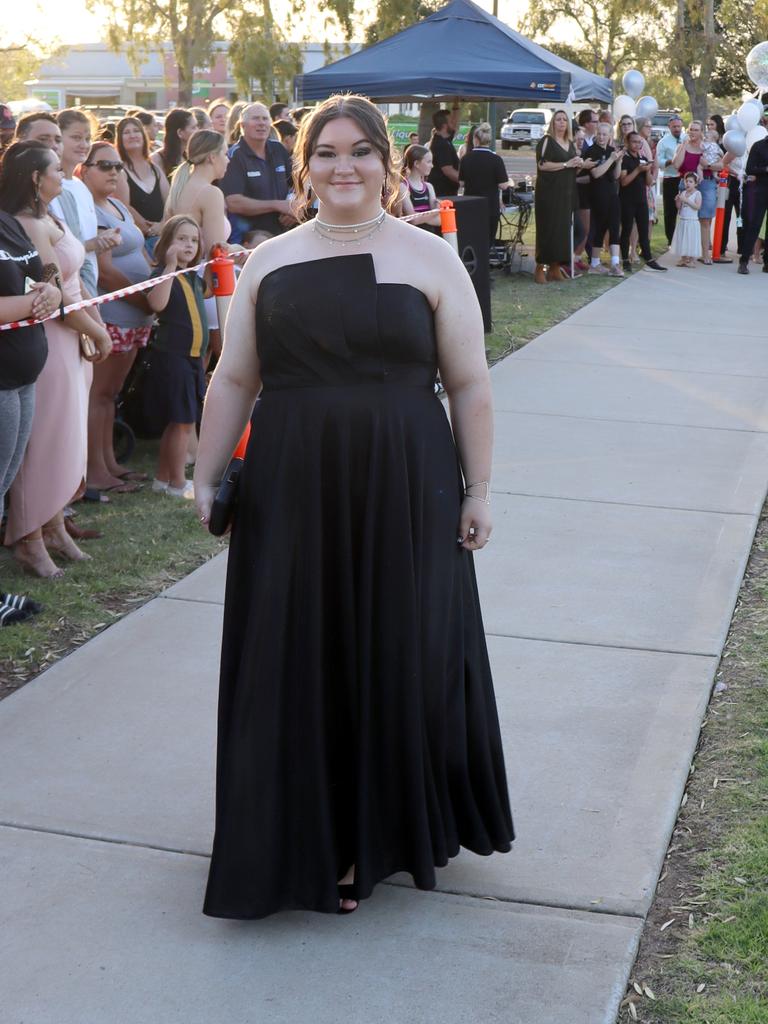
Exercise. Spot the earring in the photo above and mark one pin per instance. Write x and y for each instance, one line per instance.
(37, 194)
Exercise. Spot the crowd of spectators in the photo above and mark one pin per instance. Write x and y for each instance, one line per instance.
(87, 209)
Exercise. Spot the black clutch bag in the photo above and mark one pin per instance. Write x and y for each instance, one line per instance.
(223, 508)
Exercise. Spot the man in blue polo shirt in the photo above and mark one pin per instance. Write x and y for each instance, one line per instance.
(257, 180)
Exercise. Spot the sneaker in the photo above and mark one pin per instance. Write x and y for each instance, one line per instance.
(615, 271)
(187, 492)
(627, 266)
(599, 269)
(743, 269)
(159, 486)
(653, 265)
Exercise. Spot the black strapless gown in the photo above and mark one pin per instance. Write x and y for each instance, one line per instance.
(357, 720)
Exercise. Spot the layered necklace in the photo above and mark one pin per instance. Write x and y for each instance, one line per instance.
(360, 232)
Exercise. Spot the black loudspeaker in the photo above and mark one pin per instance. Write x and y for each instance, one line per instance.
(472, 230)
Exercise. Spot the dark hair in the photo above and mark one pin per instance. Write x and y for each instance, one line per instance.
(371, 122)
(469, 142)
(145, 117)
(25, 123)
(440, 119)
(166, 237)
(276, 110)
(17, 184)
(66, 118)
(691, 174)
(200, 115)
(122, 124)
(173, 150)
(285, 129)
(629, 135)
(299, 113)
(413, 154)
(585, 117)
(719, 123)
(106, 134)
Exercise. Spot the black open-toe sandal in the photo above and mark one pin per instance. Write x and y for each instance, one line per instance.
(347, 892)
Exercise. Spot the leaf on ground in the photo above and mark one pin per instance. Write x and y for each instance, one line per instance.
(667, 924)
(701, 987)
(648, 992)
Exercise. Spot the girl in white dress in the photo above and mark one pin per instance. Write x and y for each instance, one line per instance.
(686, 241)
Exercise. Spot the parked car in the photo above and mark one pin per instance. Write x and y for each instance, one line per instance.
(524, 127)
(659, 122)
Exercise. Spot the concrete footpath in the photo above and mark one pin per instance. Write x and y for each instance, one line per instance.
(631, 466)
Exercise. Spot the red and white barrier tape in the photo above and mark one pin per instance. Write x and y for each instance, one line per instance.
(132, 289)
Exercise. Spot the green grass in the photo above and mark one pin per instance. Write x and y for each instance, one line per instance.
(718, 870)
(149, 541)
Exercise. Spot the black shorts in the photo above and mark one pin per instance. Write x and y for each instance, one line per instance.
(584, 196)
(175, 387)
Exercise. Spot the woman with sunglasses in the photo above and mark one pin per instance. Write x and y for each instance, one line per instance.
(142, 188)
(128, 320)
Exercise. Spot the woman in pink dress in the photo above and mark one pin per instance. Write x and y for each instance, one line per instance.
(55, 460)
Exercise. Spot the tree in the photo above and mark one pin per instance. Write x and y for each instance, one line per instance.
(190, 27)
(260, 51)
(17, 65)
(188, 24)
(742, 25)
(610, 35)
(694, 50)
(393, 16)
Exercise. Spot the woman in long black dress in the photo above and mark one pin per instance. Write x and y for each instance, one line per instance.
(358, 734)
(557, 163)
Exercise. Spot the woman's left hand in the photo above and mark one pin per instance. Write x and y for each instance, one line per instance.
(475, 524)
(47, 299)
(204, 495)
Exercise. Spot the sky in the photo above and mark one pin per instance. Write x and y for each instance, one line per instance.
(69, 21)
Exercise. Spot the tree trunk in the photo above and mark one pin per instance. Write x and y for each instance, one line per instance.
(424, 129)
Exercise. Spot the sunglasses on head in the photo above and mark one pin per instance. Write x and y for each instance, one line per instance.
(105, 165)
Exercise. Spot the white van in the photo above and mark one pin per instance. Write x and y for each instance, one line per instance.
(524, 126)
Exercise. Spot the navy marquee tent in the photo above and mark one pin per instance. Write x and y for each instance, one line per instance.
(460, 50)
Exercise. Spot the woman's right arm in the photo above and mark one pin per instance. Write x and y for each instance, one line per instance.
(232, 392)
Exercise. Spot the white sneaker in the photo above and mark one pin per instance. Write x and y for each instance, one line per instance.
(187, 492)
(599, 269)
(159, 486)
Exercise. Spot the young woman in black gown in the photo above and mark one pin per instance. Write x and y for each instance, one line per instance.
(358, 734)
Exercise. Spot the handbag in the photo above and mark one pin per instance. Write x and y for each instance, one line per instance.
(225, 502)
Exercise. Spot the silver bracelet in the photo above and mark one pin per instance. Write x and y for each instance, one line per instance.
(480, 483)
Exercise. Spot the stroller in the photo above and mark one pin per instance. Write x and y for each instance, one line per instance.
(518, 204)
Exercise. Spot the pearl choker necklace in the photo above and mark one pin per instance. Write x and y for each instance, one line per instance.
(360, 232)
(353, 229)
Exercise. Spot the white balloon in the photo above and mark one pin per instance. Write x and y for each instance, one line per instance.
(732, 124)
(647, 107)
(756, 135)
(748, 115)
(633, 82)
(623, 106)
(757, 65)
(735, 142)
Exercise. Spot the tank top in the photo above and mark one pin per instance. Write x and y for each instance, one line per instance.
(419, 197)
(690, 164)
(149, 204)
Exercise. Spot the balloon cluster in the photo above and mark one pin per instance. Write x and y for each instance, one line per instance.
(743, 129)
(631, 103)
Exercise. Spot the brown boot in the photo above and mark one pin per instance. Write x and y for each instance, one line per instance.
(540, 274)
(555, 273)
